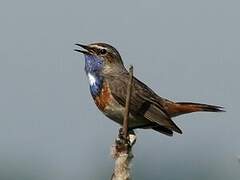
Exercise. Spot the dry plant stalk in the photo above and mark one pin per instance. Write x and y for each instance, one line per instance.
(122, 149)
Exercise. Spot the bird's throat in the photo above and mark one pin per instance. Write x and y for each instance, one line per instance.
(95, 82)
(93, 67)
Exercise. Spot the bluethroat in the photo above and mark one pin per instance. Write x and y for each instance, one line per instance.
(108, 79)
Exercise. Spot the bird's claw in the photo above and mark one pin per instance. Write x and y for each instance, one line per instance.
(125, 143)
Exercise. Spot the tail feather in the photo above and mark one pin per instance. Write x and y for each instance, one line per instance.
(178, 108)
(202, 107)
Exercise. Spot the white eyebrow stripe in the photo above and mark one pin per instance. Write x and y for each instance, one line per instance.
(97, 46)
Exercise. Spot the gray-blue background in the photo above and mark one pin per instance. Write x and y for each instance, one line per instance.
(185, 50)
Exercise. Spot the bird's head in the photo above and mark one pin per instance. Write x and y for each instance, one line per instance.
(101, 57)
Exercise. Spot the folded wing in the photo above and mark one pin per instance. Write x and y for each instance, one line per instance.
(144, 102)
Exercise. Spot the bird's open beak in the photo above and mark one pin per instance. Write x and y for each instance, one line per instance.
(87, 48)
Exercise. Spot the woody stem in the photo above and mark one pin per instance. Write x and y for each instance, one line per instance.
(127, 105)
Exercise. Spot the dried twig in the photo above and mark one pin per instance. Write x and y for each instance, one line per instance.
(126, 113)
(121, 150)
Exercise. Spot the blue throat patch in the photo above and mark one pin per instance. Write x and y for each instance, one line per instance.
(93, 67)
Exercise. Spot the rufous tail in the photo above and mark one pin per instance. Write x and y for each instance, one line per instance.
(178, 108)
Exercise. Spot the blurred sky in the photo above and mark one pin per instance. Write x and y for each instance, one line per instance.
(185, 50)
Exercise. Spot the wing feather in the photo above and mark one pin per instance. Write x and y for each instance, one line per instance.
(144, 101)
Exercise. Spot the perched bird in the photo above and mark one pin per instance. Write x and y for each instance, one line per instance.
(108, 79)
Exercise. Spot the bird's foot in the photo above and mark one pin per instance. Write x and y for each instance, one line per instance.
(125, 143)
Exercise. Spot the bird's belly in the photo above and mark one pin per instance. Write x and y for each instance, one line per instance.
(115, 111)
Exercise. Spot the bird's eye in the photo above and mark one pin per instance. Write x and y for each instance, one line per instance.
(103, 51)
